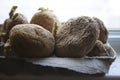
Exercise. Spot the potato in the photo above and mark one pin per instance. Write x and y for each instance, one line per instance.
(31, 40)
(98, 50)
(76, 37)
(14, 19)
(45, 18)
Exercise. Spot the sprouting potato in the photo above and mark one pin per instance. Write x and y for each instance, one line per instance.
(45, 18)
(14, 19)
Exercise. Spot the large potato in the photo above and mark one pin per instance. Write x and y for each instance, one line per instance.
(76, 37)
(30, 40)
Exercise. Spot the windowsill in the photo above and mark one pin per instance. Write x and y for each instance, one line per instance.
(114, 35)
(114, 39)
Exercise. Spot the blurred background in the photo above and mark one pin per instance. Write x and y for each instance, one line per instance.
(106, 10)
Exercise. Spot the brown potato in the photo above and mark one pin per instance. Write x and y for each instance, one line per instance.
(76, 37)
(103, 30)
(31, 40)
(45, 18)
(14, 19)
(98, 50)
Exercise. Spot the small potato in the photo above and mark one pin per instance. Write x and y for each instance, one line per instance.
(98, 50)
(14, 19)
(31, 40)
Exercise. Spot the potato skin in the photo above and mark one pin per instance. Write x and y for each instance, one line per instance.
(76, 37)
(103, 30)
(98, 50)
(9, 23)
(45, 19)
(30, 40)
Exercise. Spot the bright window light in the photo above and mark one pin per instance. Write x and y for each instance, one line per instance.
(107, 10)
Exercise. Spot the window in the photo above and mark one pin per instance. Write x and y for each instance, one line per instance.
(107, 10)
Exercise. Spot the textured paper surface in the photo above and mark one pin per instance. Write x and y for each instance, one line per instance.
(87, 65)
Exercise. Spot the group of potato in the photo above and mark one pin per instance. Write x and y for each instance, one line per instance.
(45, 35)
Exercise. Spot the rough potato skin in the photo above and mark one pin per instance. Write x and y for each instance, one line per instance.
(98, 50)
(103, 30)
(76, 37)
(30, 40)
(45, 19)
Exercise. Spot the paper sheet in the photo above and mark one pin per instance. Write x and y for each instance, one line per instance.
(83, 65)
